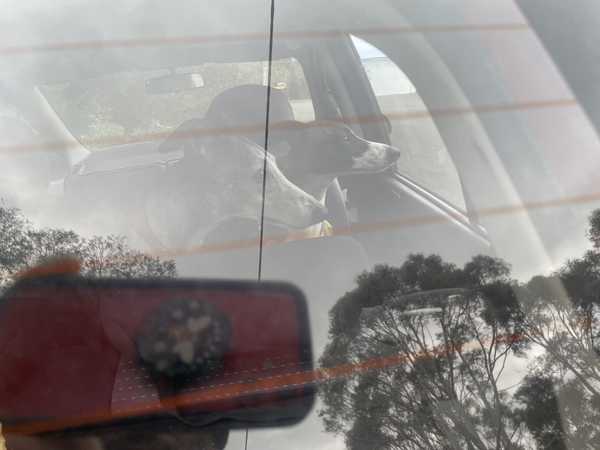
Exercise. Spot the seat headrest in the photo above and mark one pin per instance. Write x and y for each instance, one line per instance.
(245, 107)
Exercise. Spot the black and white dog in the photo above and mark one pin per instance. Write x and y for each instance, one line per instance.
(220, 178)
(314, 154)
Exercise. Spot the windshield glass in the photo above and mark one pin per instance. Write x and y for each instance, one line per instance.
(425, 173)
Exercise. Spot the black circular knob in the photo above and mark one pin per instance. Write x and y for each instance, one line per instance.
(184, 339)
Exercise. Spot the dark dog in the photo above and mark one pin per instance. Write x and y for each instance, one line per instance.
(313, 155)
(319, 152)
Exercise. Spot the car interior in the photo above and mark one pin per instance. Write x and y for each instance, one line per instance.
(494, 127)
(330, 86)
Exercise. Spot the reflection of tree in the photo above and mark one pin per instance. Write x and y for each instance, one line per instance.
(24, 245)
(455, 332)
(16, 247)
(454, 344)
(558, 413)
(541, 411)
(110, 257)
(563, 327)
(561, 316)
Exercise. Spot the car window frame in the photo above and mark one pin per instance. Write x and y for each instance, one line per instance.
(365, 115)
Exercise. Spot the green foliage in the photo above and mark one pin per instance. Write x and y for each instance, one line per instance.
(594, 229)
(423, 273)
(581, 279)
(558, 412)
(444, 391)
(541, 412)
(483, 269)
(24, 246)
(372, 289)
(110, 256)
(16, 245)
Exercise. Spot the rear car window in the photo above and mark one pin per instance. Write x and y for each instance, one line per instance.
(120, 106)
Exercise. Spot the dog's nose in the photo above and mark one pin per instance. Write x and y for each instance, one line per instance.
(319, 214)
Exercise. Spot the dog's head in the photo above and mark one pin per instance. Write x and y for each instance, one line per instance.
(326, 147)
(222, 177)
(313, 154)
